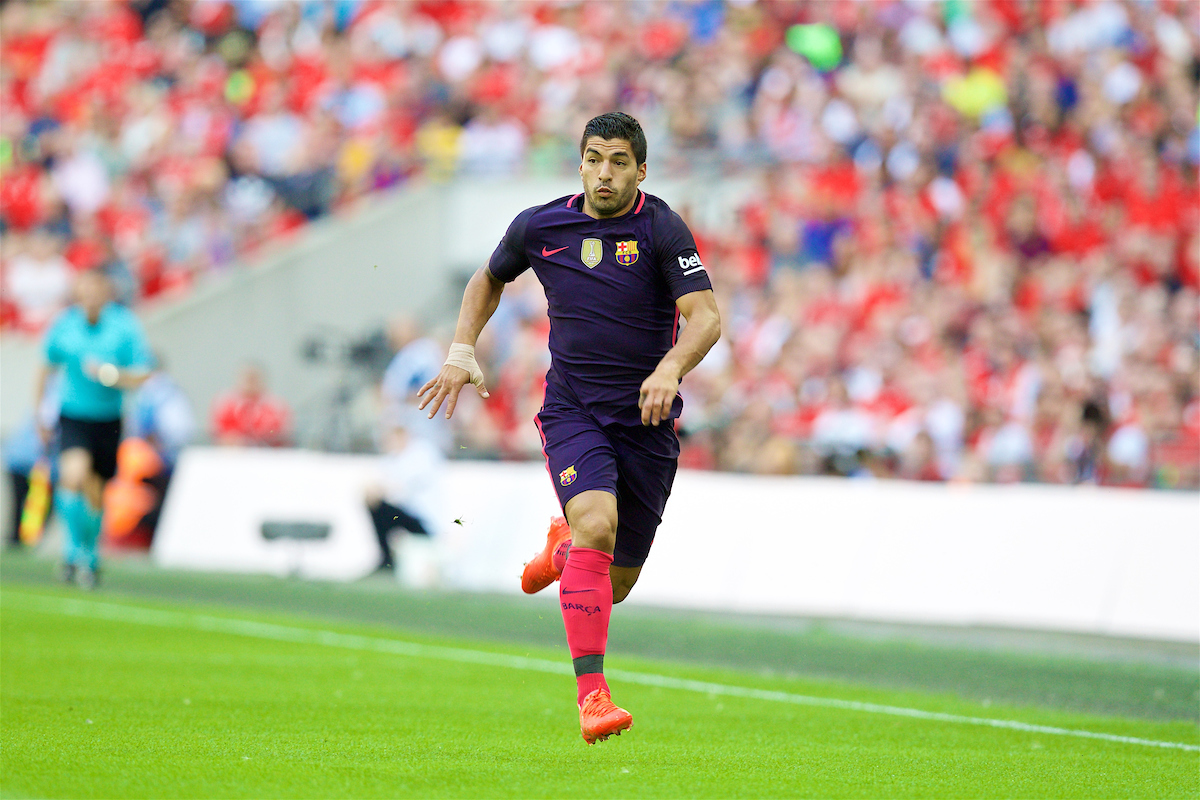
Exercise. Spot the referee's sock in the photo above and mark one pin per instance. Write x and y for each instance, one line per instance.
(90, 522)
(585, 594)
(69, 504)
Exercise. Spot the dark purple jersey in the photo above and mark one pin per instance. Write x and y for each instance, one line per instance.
(611, 285)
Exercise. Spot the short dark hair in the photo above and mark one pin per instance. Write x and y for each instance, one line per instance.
(616, 125)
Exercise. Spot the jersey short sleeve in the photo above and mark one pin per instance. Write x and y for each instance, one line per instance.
(53, 344)
(678, 259)
(509, 259)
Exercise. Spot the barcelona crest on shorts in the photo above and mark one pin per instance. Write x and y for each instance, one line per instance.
(627, 252)
(567, 476)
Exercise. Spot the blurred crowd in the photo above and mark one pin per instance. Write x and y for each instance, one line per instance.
(972, 252)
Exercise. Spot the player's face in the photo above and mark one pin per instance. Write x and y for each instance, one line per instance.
(610, 176)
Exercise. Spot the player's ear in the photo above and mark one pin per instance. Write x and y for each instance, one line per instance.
(641, 171)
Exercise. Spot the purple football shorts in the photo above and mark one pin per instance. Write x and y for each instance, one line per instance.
(635, 464)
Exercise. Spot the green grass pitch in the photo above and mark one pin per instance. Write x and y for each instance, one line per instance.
(106, 696)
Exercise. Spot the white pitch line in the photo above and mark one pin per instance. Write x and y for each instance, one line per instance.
(284, 633)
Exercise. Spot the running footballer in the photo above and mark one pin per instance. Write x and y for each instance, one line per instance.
(619, 268)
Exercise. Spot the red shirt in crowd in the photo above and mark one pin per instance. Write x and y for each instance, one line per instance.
(254, 421)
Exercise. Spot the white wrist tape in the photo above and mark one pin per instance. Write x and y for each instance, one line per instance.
(463, 357)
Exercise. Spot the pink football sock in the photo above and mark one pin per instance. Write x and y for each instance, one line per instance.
(588, 683)
(559, 557)
(585, 593)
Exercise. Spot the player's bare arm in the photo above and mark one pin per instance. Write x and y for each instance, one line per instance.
(39, 392)
(479, 303)
(115, 377)
(702, 331)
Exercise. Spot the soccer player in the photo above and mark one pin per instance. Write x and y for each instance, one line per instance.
(619, 269)
(101, 351)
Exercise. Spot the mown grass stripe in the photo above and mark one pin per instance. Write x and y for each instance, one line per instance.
(263, 630)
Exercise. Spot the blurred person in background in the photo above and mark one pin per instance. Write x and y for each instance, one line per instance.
(417, 359)
(24, 448)
(37, 278)
(100, 352)
(248, 416)
(408, 496)
(162, 414)
(162, 417)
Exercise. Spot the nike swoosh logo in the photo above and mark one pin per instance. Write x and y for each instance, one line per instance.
(547, 253)
(575, 591)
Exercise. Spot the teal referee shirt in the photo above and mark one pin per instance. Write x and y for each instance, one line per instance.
(72, 343)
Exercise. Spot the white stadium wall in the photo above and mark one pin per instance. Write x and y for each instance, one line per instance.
(1089, 560)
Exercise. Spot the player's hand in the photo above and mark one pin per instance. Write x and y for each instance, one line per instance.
(445, 387)
(656, 396)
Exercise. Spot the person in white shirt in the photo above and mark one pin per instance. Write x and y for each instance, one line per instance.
(39, 280)
(408, 495)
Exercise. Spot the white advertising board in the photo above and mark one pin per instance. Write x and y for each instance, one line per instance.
(1109, 561)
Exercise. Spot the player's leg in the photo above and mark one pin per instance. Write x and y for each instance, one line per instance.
(103, 441)
(646, 464)
(586, 596)
(74, 467)
(557, 550)
(579, 459)
(546, 567)
(585, 589)
(622, 579)
(583, 464)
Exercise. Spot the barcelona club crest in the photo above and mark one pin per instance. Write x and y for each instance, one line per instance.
(567, 476)
(627, 252)
(591, 253)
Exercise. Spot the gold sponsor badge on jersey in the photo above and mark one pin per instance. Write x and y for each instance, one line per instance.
(591, 253)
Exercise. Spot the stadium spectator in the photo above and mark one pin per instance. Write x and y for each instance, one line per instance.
(999, 200)
(250, 417)
(418, 357)
(38, 278)
(162, 415)
(408, 495)
(23, 449)
(162, 423)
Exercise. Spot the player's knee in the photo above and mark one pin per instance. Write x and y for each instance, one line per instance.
(594, 529)
(620, 592)
(74, 468)
(93, 489)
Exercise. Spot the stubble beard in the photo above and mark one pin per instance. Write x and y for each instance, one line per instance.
(606, 206)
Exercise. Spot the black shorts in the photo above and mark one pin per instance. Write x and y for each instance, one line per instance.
(635, 463)
(101, 439)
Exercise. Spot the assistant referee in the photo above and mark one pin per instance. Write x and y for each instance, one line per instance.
(101, 351)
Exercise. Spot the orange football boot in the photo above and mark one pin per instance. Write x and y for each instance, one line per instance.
(541, 572)
(599, 718)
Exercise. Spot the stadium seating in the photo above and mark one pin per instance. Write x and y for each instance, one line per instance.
(974, 254)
